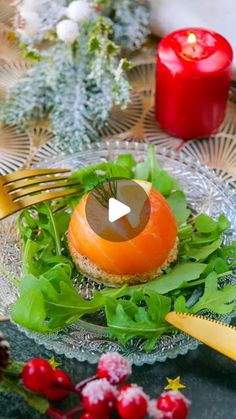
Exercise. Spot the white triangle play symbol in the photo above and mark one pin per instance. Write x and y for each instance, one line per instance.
(116, 210)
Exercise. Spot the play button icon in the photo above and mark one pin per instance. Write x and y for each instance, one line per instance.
(117, 210)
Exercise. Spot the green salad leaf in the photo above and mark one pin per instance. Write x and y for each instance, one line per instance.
(220, 301)
(151, 171)
(214, 299)
(90, 176)
(44, 235)
(205, 224)
(178, 204)
(126, 319)
(53, 301)
(182, 272)
(202, 252)
(49, 300)
(29, 311)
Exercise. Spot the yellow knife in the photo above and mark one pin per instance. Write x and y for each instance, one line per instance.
(219, 336)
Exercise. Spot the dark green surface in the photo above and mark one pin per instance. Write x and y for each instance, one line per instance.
(210, 378)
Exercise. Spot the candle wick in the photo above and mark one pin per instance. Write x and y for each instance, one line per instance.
(193, 48)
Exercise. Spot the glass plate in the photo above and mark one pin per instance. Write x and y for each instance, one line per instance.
(88, 339)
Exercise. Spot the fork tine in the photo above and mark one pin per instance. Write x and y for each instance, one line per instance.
(23, 174)
(24, 183)
(40, 188)
(32, 200)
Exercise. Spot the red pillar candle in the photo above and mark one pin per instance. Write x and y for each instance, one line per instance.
(192, 81)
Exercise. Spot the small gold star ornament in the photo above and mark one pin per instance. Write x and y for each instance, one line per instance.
(174, 384)
(54, 364)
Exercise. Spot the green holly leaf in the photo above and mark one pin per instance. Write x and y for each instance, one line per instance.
(126, 64)
(94, 45)
(112, 48)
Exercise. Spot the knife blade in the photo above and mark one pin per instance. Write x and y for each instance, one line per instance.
(216, 335)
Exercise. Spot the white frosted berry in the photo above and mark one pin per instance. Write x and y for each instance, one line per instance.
(173, 402)
(99, 397)
(79, 11)
(29, 23)
(67, 31)
(114, 367)
(132, 403)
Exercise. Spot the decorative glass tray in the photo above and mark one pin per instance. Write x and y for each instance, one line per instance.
(88, 339)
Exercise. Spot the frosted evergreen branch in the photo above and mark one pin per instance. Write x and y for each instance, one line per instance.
(75, 82)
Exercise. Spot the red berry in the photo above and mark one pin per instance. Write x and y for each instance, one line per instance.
(99, 397)
(132, 403)
(114, 367)
(88, 415)
(37, 374)
(174, 404)
(55, 393)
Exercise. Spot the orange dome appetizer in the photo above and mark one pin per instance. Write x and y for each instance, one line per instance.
(126, 261)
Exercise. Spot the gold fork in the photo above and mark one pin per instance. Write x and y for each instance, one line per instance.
(23, 188)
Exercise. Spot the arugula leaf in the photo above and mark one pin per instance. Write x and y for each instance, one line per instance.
(219, 265)
(165, 183)
(90, 176)
(38, 257)
(47, 221)
(49, 310)
(27, 224)
(181, 273)
(202, 253)
(9, 384)
(151, 171)
(69, 306)
(44, 235)
(127, 161)
(228, 251)
(223, 223)
(178, 204)
(180, 305)
(205, 224)
(127, 320)
(220, 301)
(149, 168)
(52, 302)
(29, 311)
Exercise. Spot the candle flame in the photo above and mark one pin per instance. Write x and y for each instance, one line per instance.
(192, 39)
